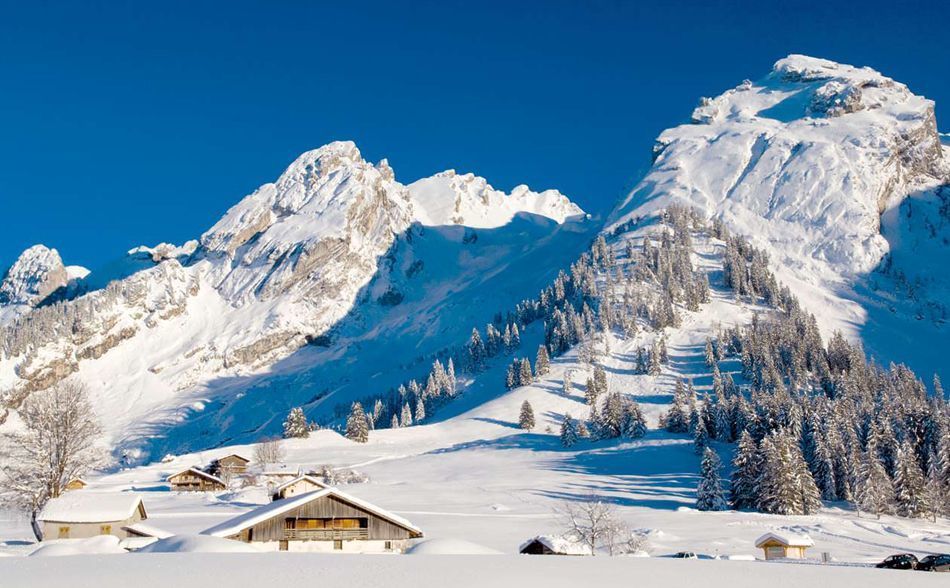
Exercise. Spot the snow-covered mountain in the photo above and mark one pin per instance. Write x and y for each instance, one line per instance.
(35, 276)
(279, 269)
(839, 173)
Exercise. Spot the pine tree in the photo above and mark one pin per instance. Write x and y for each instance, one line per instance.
(295, 427)
(611, 416)
(511, 377)
(710, 356)
(420, 411)
(524, 373)
(654, 368)
(677, 418)
(746, 469)
(569, 432)
(526, 418)
(476, 351)
(591, 392)
(874, 492)
(700, 435)
(634, 424)
(909, 484)
(542, 365)
(356, 427)
(450, 378)
(394, 422)
(405, 418)
(515, 336)
(709, 494)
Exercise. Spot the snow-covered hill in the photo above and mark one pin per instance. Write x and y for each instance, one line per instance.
(168, 324)
(839, 173)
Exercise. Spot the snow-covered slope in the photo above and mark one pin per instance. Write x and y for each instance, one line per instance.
(288, 262)
(449, 198)
(805, 162)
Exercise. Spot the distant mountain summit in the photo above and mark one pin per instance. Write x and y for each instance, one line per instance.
(839, 173)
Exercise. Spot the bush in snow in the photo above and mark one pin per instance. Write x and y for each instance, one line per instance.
(268, 451)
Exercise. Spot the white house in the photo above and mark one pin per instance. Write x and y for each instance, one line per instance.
(81, 514)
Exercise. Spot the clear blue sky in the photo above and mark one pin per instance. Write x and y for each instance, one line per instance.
(128, 123)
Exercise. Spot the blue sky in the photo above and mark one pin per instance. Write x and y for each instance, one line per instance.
(128, 123)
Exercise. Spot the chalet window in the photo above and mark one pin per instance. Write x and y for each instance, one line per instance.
(338, 545)
(105, 529)
(388, 545)
(776, 551)
(64, 532)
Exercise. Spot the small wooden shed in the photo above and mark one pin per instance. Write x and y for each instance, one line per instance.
(299, 485)
(784, 545)
(553, 545)
(195, 480)
(80, 515)
(326, 520)
(75, 484)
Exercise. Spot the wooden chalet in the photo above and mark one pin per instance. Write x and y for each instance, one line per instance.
(326, 520)
(195, 480)
(784, 545)
(80, 515)
(233, 463)
(553, 545)
(299, 485)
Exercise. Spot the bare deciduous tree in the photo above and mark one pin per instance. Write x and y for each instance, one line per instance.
(56, 443)
(592, 522)
(269, 451)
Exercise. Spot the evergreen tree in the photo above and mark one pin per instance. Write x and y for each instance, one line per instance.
(295, 427)
(526, 418)
(700, 435)
(420, 411)
(394, 422)
(654, 368)
(569, 433)
(591, 392)
(709, 494)
(612, 416)
(710, 356)
(476, 351)
(405, 418)
(746, 469)
(677, 418)
(357, 428)
(542, 365)
(524, 374)
(909, 484)
(874, 492)
(515, 336)
(511, 377)
(634, 424)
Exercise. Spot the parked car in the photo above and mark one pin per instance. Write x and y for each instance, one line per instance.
(935, 563)
(901, 561)
(684, 555)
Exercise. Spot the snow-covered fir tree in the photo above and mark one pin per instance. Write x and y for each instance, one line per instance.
(569, 433)
(526, 416)
(356, 426)
(542, 364)
(709, 494)
(296, 427)
(746, 470)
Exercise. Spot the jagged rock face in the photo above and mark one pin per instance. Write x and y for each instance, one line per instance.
(318, 229)
(805, 159)
(37, 273)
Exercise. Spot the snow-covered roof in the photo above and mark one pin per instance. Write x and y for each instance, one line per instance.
(91, 507)
(241, 457)
(311, 479)
(559, 544)
(197, 472)
(144, 530)
(790, 539)
(268, 511)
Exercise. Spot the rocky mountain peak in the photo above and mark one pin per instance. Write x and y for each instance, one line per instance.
(37, 273)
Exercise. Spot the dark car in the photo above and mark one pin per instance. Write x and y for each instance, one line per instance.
(902, 561)
(684, 555)
(935, 563)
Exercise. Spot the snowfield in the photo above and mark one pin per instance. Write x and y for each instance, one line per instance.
(458, 571)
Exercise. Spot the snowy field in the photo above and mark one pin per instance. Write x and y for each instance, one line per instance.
(457, 571)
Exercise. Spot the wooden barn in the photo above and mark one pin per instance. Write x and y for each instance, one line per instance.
(299, 485)
(195, 480)
(784, 545)
(553, 545)
(233, 463)
(80, 515)
(326, 520)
